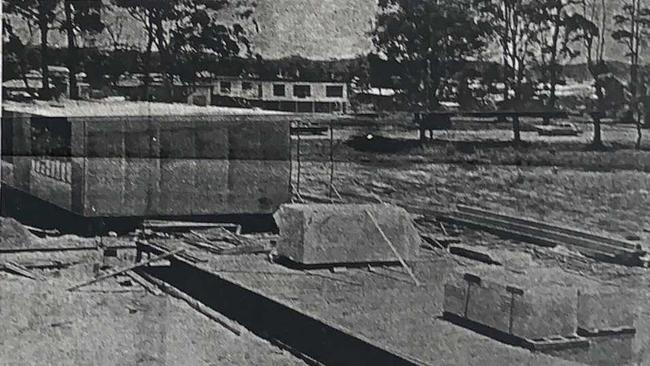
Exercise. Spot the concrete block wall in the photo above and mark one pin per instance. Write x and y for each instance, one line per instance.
(164, 166)
(601, 317)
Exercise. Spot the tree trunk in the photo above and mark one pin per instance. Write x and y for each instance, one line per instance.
(147, 61)
(45, 90)
(72, 51)
(553, 63)
(164, 60)
(598, 140)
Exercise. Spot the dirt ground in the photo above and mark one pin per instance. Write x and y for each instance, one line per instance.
(114, 322)
(560, 180)
(556, 179)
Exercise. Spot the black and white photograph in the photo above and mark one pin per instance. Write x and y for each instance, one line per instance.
(325, 183)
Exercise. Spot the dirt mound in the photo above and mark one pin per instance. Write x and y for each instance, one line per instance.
(14, 235)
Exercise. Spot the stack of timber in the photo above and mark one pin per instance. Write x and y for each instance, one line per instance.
(541, 233)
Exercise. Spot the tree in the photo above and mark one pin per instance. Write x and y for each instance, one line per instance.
(15, 54)
(190, 30)
(633, 30)
(81, 16)
(589, 26)
(198, 39)
(42, 14)
(429, 40)
(513, 25)
(554, 39)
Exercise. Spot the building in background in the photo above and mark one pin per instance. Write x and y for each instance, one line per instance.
(280, 95)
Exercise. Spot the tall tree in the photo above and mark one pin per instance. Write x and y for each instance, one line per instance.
(589, 26)
(554, 39)
(514, 27)
(190, 30)
(429, 40)
(15, 54)
(632, 30)
(42, 14)
(81, 16)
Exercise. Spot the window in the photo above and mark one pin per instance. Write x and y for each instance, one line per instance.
(301, 91)
(225, 87)
(246, 85)
(278, 90)
(334, 91)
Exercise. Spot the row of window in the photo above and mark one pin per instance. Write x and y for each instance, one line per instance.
(279, 90)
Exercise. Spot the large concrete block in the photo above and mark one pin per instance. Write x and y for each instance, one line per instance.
(605, 310)
(212, 140)
(525, 313)
(344, 233)
(141, 187)
(177, 140)
(211, 194)
(489, 304)
(546, 313)
(244, 141)
(257, 186)
(177, 186)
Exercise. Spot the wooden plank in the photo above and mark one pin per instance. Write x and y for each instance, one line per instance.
(163, 225)
(188, 257)
(392, 247)
(61, 249)
(125, 269)
(152, 289)
(20, 270)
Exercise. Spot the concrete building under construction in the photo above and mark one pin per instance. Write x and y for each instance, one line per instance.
(147, 159)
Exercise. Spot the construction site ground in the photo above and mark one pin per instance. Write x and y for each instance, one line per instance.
(559, 180)
(113, 322)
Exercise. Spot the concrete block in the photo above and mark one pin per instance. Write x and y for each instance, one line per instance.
(212, 140)
(528, 314)
(545, 314)
(344, 233)
(244, 141)
(257, 186)
(274, 142)
(105, 139)
(177, 140)
(489, 304)
(141, 187)
(177, 186)
(139, 139)
(605, 310)
(211, 194)
(455, 297)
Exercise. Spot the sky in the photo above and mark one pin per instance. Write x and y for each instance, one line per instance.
(315, 29)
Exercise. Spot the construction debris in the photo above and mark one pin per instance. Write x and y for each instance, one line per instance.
(18, 269)
(125, 269)
(172, 226)
(472, 253)
(442, 241)
(144, 283)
